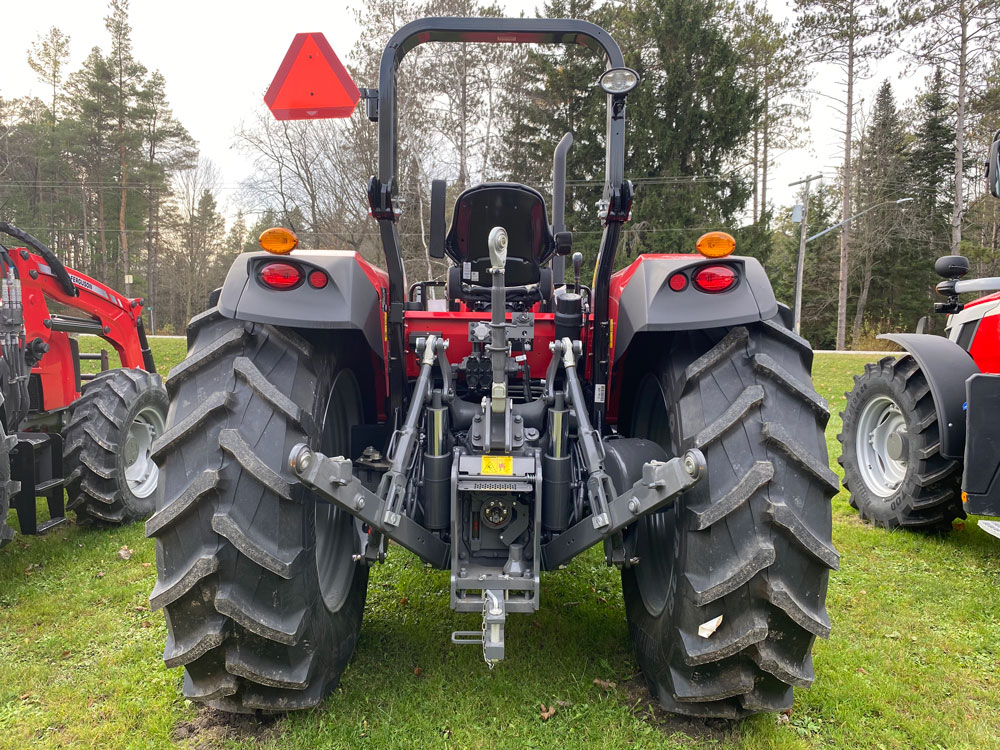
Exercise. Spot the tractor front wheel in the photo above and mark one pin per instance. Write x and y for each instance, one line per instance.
(256, 575)
(891, 445)
(729, 591)
(111, 476)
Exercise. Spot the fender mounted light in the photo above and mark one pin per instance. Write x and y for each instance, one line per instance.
(716, 244)
(278, 240)
(714, 279)
(280, 276)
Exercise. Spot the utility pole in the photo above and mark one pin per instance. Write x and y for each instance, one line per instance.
(800, 264)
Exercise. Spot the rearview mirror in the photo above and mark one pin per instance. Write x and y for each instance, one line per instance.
(993, 167)
(951, 266)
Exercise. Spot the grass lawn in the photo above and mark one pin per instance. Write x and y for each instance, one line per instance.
(911, 662)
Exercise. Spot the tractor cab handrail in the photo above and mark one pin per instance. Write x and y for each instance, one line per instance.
(988, 284)
(490, 30)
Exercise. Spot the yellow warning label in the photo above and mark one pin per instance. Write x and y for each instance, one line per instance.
(503, 465)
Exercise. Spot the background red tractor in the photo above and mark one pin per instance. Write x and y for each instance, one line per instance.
(88, 435)
(921, 436)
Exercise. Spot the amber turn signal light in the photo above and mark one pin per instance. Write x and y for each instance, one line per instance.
(716, 245)
(279, 240)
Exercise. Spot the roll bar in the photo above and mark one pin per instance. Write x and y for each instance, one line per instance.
(382, 189)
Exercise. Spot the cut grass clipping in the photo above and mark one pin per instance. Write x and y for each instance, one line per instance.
(911, 662)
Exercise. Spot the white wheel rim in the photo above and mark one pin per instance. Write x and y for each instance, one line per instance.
(881, 421)
(141, 472)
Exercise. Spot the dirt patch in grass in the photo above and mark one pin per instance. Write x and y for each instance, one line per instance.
(211, 728)
(644, 706)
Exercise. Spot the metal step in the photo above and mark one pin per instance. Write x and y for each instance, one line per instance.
(50, 524)
(991, 527)
(43, 488)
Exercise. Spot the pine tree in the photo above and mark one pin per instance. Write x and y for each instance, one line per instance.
(126, 78)
(847, 34)
(931, 156)
(881, 253)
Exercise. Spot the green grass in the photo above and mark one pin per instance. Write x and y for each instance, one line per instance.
(911, 662)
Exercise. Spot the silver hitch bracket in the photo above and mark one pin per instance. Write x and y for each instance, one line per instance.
(334, 481)
(659, 486)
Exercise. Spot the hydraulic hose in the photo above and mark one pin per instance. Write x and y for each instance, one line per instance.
(58, 269)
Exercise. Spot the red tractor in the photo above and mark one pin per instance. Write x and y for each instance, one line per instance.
(921, 438)
(664, 412)
(90, 435)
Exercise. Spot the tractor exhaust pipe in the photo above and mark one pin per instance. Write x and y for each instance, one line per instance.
(559, 203)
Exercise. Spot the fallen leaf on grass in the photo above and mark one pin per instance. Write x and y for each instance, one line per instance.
(548, 713)
(404, 600)
(140, 609)
(147, 624)
(100, 574)
(602, 600)
(782, 718)
(958, 524)
(146, 565)
(28, 695)
(124, 553)
(861, 670)
(65, 653)
(605, 684)
(418, 671)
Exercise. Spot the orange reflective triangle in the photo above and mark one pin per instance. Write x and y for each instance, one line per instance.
(311, 83)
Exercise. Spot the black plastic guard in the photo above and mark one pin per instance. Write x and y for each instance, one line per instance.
(648, 304)
(348, 301)
(946, 366)
(981, 481)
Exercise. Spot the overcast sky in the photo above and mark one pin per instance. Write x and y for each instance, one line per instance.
(219, 57)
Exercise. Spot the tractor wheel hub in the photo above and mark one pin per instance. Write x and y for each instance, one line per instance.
(896, 445)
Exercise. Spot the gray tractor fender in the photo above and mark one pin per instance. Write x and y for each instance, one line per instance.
(348, 301)
(648, 304)
(946, 366)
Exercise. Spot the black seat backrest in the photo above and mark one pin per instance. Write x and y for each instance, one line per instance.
(518, 209)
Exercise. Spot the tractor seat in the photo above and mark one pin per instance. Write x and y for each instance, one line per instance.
(518, 209)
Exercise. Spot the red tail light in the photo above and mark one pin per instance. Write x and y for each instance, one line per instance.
(280, 275)
(678, 282)
(714, 279)
(317, 279)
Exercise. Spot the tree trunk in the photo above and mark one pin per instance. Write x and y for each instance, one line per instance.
(756, 171)
(866, 281)
(764, 149)
(956, 214)
(102, 261)
(121, 215)
(845, 233)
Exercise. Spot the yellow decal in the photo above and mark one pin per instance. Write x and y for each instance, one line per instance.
(498, 465)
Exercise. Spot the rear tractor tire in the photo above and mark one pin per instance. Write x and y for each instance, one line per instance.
(729, 591)
(262, 597)
(891, 445)
(107, 454)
